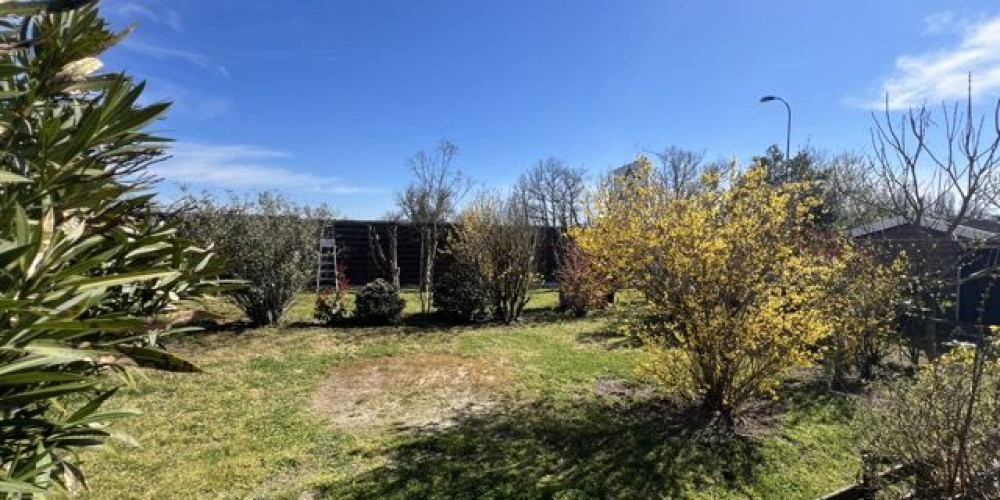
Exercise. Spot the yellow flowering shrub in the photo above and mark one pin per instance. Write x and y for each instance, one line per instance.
(942, 425)
(866, 298)
(734, 280)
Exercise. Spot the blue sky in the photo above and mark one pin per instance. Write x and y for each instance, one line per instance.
(325, 101)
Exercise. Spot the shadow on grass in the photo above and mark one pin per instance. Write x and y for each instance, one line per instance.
(609, 339)
(806, 398)
(435, 322)
(598, 448)
(349, 331)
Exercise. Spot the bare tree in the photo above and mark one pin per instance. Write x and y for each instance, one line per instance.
(943, 165)
(679, 170)
(922, 175)
(553, 193)
(387, 260)
(430, 201)
(849, 190)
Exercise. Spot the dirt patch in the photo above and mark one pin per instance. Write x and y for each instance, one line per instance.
(620, 388)
(414, 391)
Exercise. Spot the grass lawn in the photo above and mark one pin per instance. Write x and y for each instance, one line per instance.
(547, 409)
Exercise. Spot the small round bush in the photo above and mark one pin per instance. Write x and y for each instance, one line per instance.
(379, 303)
(331, 306)
(460, 294)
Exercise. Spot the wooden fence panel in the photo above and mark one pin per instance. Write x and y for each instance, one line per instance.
(354, 252)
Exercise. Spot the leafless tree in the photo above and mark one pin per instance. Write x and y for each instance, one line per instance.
(953, 175)
(921, 173)
(428, 202)
(553, 193)
(679, 170)
(849, 186)
(386, 259)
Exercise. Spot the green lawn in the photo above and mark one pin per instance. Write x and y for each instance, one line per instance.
(547, 409)
(301, 309)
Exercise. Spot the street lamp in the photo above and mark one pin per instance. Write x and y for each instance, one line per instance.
(788, 129)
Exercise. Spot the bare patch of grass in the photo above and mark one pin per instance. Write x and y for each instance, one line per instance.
(413, 391)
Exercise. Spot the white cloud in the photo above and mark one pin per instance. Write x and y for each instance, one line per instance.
(153, 10)
(939, 22)
(241, 166)
(942, 75)
(187, 101)
(195, 58)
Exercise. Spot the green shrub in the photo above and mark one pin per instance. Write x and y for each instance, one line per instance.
(943, 426)
(460, 294)
(268, 241)
(87, 267)
(495, 237)
(379, 303)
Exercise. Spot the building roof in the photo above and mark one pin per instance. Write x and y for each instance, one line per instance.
(626, 169)
(988, 225)
(970, 229)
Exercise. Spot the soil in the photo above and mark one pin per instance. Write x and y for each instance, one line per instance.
(407, 392)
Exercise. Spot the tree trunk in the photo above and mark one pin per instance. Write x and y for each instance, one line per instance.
(394, 255)
(715, 409)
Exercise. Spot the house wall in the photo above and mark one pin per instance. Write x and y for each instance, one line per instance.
(980, 292)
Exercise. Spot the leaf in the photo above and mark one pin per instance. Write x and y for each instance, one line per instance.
(61, 352)
(122, 279)
(31, 378)
(155, 358)
(12, 255)
(90, 325)
(44, 393)
(106, 417)
(19, 487)
(91, 407)
(28, 363)
(12, 178)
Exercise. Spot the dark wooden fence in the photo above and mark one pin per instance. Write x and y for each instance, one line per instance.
(356, 255)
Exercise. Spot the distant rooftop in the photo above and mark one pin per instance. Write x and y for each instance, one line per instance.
(972, 229)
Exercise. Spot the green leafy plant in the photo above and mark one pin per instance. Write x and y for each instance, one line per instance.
(268, 241)
(460, 294)
(379, 303)
(88, 269)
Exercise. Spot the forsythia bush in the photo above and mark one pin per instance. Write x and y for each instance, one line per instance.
(733, 281)
(943, 426)
(866, 298)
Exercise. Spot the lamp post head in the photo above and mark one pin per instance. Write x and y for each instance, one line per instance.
(767, 98)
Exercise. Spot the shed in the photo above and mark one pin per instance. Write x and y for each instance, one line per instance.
(959, 258)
